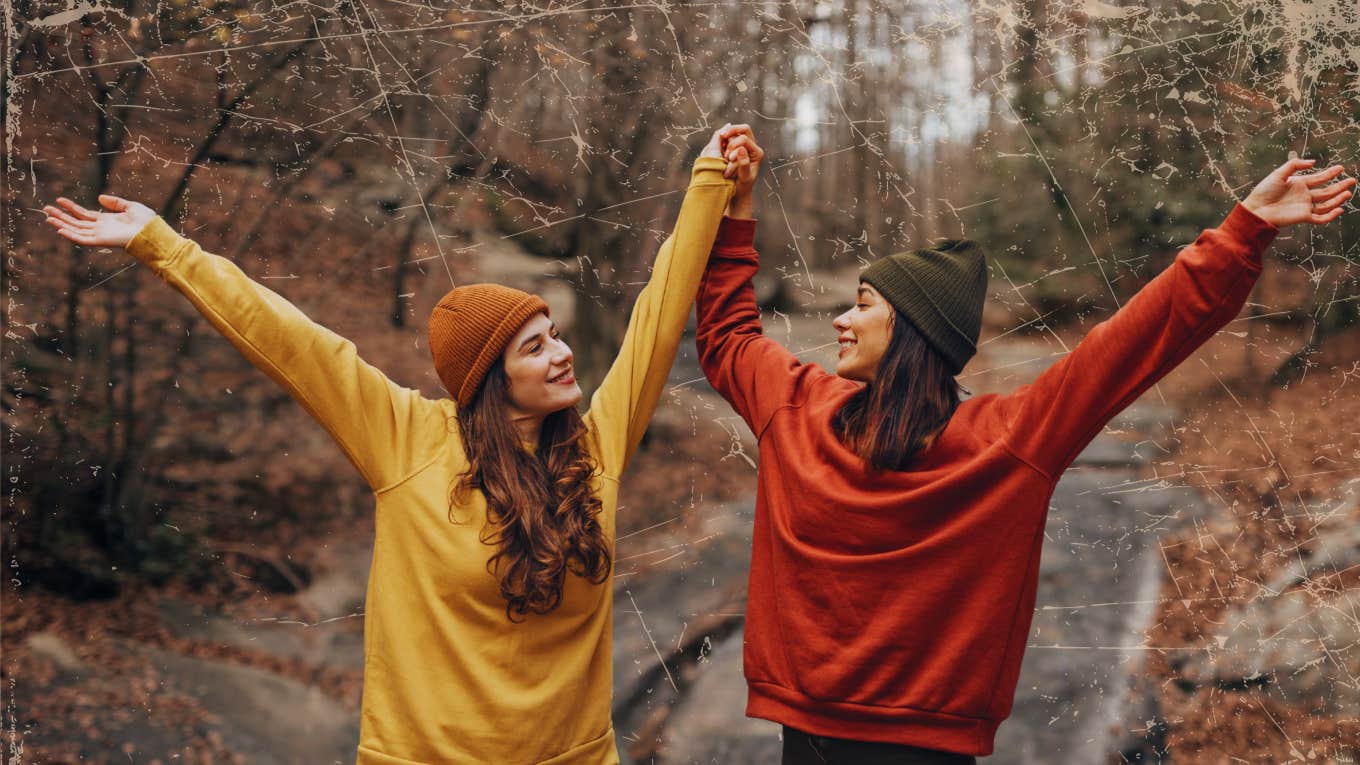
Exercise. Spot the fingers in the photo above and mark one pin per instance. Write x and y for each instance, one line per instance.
(77, 210)
(1331, 189)
(714, 146)
(746, 142)
(730, 133)
(738, 162)
(66, 219)
(1292, 166)
(734, 163)
(729, 130)
(1332, 202)
(1317, 179)
(72, 234)
(734, 145)
(117, 204)
(1327, 217)
(1331, 207)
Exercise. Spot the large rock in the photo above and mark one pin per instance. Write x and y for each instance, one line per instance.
(1304, 647)
(52, 648)
(342, 588)
(1099, 579)
(709, 726)
(1299, 636)
(262, 716)
(681, 593)
(502, 260)
(338, 644)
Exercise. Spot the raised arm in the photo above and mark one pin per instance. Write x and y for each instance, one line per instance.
(755, 374)
(382, 427)
(626, 398)
(1056, 416)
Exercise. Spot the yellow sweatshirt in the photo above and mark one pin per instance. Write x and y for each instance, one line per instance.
(447, 678)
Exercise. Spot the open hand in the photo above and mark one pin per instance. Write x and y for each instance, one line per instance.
(114, 226)
(1284, 199)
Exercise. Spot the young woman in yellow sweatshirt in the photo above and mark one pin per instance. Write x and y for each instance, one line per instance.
(487, 627)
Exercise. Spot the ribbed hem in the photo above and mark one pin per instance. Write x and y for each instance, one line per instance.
(598, 751)
(736, 234)
(862, 722)
(1249, 229)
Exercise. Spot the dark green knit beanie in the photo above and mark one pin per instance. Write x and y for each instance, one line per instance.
(941, 290)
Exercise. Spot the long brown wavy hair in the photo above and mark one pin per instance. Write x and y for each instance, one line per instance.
(543, 515)
(913, 395)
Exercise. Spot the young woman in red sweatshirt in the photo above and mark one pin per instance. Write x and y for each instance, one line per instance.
(898, 530)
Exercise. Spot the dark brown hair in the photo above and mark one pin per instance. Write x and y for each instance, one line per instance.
(912, 397)
(543, 516)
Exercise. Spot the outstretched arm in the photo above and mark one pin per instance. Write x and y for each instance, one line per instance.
(371, 417)
(755, 374)
(626, 398)
(1055, 417)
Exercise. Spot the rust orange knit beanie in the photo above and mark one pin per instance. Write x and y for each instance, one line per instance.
(469, 329)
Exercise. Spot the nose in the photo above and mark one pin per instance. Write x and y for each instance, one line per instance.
(842, 322)
(561, 353)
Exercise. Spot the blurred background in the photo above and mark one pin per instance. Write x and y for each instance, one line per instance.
(186, 552)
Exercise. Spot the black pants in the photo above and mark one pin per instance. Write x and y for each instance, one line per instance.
(804, 749)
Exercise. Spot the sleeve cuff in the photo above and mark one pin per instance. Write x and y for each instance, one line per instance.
(736, 234)
(1249, 229)
(156, 244)
(707, 166)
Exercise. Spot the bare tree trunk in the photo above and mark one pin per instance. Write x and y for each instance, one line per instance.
(226, 110)
(299, 171)
(620, 120)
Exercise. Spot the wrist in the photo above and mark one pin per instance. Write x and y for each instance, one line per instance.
(741, 207)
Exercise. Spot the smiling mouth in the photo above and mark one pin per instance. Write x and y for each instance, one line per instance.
(564, 378)
(846, 345)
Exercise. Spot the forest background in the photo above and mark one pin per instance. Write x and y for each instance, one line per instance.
(360, 157)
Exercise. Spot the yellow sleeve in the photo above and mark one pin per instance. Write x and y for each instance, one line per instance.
(624, 402)
(386, 430)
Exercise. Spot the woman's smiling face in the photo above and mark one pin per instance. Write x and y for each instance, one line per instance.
(538, 365)
(863, 332)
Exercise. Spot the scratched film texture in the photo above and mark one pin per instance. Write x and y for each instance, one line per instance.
(185, 551)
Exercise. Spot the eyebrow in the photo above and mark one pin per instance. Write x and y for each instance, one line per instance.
(861, 291)
(531, 338)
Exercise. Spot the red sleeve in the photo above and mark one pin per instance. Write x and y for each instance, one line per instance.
(755, 374)
(1056, 416)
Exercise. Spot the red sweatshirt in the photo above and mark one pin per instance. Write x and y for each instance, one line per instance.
(895, 606)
